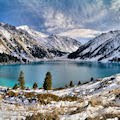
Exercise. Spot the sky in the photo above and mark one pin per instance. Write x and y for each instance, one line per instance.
(61, 15)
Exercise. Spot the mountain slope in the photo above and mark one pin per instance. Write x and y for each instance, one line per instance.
(104, 47)
(63, 44)
(20, 44)
(25, 43)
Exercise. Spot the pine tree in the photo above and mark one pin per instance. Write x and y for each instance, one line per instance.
(21, 80)
(71, 84)
(79, 83)
(35, 86)
(48, 81)
(15, 86)
(92, 79)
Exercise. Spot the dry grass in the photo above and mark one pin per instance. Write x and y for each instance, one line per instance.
(12, 94)
(33, 109)
(43, 98)
(116, 91)
(78, 110)
(1, 97)
(29, 95)
(69, 98)
(105, 117)
(47, 98)
(95, 102)
(39, 116)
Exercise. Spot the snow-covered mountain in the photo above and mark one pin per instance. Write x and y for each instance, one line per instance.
(32, 32)
(26, 43)
(63, 44)
(104, 47)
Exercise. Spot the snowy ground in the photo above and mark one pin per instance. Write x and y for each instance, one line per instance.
(96, 100)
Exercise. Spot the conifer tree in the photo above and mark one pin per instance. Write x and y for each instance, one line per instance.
(15, 86)
(35, 86)
(48, 81)
(21, 80)
(92, 79)
(79, 83)
(71, 84)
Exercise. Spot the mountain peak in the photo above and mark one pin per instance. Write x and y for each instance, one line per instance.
(24, 27)
(32, 31)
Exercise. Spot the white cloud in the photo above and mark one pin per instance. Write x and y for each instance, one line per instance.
(115, 5)
(56, 20)
(60, 15)
(80, 33)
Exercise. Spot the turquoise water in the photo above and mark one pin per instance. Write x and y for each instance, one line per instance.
(62, 72)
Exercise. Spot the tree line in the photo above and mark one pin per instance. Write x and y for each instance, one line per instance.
(47, 85)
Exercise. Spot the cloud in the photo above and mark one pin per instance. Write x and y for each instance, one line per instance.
(60, 15)
(115, 5)
(55, 20)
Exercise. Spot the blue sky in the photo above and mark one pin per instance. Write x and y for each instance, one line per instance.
(60, 15)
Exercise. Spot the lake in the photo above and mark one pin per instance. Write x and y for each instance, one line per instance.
(62, 72)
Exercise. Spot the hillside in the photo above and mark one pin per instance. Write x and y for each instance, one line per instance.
(105, 47)
(26, 43)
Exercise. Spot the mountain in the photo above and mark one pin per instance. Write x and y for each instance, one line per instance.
(20, 44)
(25, 43)
(32, 32)
(64, 44)
(105, 47)
(61, 43)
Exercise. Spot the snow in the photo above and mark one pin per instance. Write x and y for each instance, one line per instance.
(64, 44)
(22, 41)
(104, 47)
(5, 33)
(102, 90)
(32, 32)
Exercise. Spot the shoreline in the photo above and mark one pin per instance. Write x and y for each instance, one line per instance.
(64, 88)
(56, 60)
